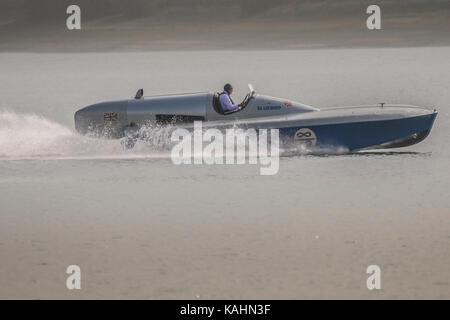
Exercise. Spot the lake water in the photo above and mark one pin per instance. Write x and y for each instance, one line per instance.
(142, 227)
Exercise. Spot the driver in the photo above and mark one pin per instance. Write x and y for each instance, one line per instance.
(225, 99)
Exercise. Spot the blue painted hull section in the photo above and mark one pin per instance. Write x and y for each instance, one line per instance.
(360, 135)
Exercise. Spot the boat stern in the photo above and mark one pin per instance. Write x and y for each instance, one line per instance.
(106, 119)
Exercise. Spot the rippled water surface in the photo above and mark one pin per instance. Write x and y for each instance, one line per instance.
(142, 227)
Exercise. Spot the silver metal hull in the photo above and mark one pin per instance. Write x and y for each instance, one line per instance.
(361, 127)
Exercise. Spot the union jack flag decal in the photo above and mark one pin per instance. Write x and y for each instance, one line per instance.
(110, 116)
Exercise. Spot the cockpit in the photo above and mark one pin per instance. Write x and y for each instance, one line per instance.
(218, 107)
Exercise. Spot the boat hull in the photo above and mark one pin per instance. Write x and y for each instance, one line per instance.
(374, 134)
(351, 128)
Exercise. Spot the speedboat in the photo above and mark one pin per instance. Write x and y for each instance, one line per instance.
(352, 128)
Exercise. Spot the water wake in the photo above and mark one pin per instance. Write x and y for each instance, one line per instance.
(30, 136)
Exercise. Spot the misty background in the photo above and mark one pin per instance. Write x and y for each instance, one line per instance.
(142, 228)
(113, 25)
